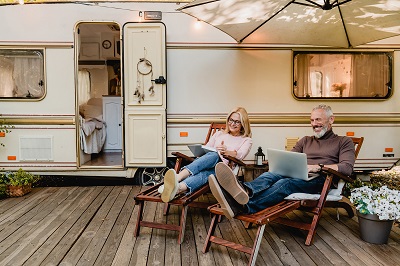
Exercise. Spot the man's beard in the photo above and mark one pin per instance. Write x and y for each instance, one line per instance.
(321, 133)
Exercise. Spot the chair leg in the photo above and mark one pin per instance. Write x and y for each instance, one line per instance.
(347, 207)
(182, 224)
(213, 225)
(139, 218)
(313, 229)
(256, 246)
(166, 208)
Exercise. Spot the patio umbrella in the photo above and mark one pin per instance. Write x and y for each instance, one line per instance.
(335, 23)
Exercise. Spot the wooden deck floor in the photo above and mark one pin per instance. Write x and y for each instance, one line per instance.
(94, 226)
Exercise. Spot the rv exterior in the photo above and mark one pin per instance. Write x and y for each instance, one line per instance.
(114, 92)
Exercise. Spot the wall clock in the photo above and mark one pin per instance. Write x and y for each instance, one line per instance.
(106, 44)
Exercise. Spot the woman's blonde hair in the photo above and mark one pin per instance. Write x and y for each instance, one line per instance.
(244, 120)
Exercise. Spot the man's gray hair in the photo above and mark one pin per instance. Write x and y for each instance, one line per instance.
(326, 108)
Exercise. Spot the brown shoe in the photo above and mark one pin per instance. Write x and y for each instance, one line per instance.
(228, 181)
(229, 206)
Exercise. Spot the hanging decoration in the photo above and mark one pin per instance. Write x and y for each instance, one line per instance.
(144, 69)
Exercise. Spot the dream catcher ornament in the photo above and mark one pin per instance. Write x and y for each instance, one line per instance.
(144, 72)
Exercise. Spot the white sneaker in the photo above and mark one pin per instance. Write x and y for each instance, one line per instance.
(170, 186)
(160, 189)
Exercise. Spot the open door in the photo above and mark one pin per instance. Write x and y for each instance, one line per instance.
(98, 95)
(144, 94)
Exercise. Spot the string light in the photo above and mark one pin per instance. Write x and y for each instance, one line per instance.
(197, 24)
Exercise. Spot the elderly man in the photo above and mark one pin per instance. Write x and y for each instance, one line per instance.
(324, 148)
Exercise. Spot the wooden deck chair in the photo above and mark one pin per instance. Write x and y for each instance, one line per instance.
(334, 197)
(152, 195)
(275, 214)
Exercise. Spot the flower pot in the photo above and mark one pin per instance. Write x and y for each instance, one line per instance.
(18, 191)
(373, 230)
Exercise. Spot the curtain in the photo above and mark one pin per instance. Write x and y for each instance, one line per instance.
(301, 76)
(83, 86)
(28, 77)
(6, 77)
(370, 75)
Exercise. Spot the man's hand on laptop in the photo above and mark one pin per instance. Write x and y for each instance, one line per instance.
(313, 168)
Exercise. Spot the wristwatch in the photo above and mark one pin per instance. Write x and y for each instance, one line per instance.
(321, 165)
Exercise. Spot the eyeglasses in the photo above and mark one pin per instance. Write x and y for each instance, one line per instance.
(233, 122)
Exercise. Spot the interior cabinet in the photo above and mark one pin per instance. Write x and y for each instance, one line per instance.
(112, 116)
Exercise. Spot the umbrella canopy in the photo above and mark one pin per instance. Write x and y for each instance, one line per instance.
(336, 23)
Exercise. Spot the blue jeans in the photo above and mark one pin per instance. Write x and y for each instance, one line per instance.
(269, 189)
(200, 169)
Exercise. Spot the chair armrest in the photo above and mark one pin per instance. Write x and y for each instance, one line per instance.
(183, 156)
(235, 160)
(337, 174)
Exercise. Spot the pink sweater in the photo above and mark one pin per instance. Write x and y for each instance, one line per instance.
(240, 144)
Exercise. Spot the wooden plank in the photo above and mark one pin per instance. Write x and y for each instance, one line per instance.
(321, 250)
(13, 204)
(62, 222)
(29, 202)
(26, 246)
(124, 252)
(82, 216)
(246, 237)
(200, 233)
(188, 246)
(157, 244)
(276, 244)
(18, 229)
(227, 233)
(220, 253)
(350, 229)
(292, 245)
(172, 249)
(104, 222)
(110, 247)
(327, 231)
(66, 227)
(142, 243)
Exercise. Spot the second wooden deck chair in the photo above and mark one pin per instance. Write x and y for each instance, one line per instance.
(277, 212)
(152, 195)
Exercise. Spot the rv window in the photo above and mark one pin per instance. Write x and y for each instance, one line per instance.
(21, 74)
(354, 75)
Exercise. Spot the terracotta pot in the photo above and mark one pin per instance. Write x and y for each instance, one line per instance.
(18, 191)
(373, 230)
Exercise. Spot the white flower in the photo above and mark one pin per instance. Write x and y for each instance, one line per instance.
(383, 202)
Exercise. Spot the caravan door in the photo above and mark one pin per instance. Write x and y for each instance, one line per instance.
(144, 94)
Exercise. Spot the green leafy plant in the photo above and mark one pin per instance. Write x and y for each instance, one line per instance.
(4, 128)
(18, 178)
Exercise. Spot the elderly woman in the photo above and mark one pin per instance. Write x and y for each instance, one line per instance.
(234, 141)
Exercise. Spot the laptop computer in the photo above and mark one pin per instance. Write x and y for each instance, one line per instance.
(290, 164)
(199, 149)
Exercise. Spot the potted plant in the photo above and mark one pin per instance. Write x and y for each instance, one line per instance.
(376, 209)
(18, 183)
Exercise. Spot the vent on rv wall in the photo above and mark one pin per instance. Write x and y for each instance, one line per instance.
(290, 143)
(36, 148)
